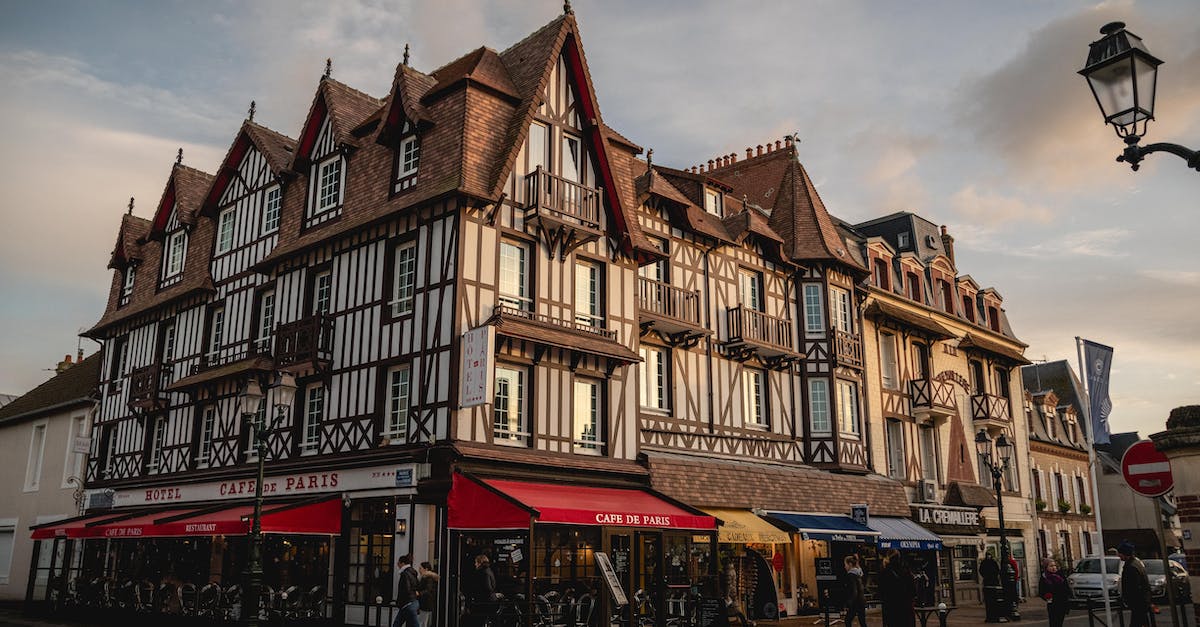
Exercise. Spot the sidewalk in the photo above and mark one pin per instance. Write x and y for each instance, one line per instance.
(1031, 614)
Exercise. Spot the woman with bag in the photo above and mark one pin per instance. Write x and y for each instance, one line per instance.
(1053, 588)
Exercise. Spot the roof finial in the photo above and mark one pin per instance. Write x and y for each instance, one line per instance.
(253, 106)
(567, 8)
(405, 62)
(650, 158)
(130, 212)
(179, 157)
(328, 67)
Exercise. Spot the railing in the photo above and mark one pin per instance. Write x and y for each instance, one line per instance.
(989, 407)
(669, 301)
(931, 395)
(567, 199)
(305, 340)
(751, 325)
(147, 385)
(229, 355)
(847, 348)
(505, 311)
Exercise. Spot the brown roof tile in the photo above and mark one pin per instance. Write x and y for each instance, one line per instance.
(130, 238)
(73, 386)
(509, 454)
(482, 66)
(276, 147)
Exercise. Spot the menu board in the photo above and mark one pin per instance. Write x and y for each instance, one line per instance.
(611, 579)
(713, 612)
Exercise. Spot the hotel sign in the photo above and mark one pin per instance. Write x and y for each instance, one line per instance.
(300, 483)
(476, 383)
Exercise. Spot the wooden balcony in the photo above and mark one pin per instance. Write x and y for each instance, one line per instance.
(148, 387)
(847, 349)
(931, 400)
(305, 343)
(752, 331)
(672, 311)
(990, 412)
(565, 212)
(548, 332)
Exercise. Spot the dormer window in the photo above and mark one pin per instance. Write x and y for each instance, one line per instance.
(714, 202)
(902, 240)
(994, 319)
(968, 307)
(270, 221)
(225, 221)
(410, 157)
(329, 185)
(174, 250)
(914, 286)
(880, 272)
(127, 285)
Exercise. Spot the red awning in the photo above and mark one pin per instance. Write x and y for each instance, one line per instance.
(317, 518)
(503, 504)
(62, 528)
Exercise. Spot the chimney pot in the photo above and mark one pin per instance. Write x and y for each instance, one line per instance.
(749, 152)
(733, 157)
(778, 145)
(787, 140)
(759, 150)
(710, 164)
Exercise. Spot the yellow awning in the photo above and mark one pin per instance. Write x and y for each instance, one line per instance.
(740, 526)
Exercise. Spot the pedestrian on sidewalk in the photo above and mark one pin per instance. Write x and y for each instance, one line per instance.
(1053, 588)
(408, 591)
(989, 572)
(856, 598)
(429, 589)
(897, 591)
(1135, 586)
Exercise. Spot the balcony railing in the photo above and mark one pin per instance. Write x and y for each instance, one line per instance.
(230, 354)
(755, 327)
(668, 301)
(562, 200)
(505, 311)
(931, 398)
(989, 408)
(147, 386)
(304, 341)
(847, 348)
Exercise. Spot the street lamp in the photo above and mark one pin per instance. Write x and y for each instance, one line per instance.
(248, 402)
(1004, 450)
(1123, 76)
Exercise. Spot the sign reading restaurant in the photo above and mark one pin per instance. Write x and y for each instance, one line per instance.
(297, 483)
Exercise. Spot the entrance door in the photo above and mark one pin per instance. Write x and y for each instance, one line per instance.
(620, 552)
(647, 598)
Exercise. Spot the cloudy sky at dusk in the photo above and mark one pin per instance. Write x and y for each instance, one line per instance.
(969, 113)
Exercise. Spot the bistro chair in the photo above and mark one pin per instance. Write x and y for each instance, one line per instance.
(231, 602)
(290, 603)
(314, 602)
(266, 601)
(188, 599)
(209, 602)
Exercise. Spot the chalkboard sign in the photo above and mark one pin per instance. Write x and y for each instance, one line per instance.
(713, 612)
(610, 578)
(825, 569)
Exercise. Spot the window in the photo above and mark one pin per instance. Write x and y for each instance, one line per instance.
(329, 185)
(208, 428)
(260, 417)
(216, 333)
(539, 146)
(119, 359)
(968, 304)
(73, 465)
(714, 202)
(508, 409)
(398, 379)
(818, 405)
(1010, 475)
(158, 435)
(405, 281)
(814, 315)
(888, 366)
(1002, 382)
(655, 373)
(754, 397)
(514, 276)
(225, 221)
(750, 289)
(944, 297)
(839, 305)
(879, 272)
(37, 451)
(410, 157)
(271, 206)
(322, 292)
(587, 417)
(902, 240)
(1037, 484)
(1081, 490)
(929, 456)
(848, 407)
(8, 535)
(314, 411)
(977, 378)
(176, 250)
(587, 294)
(167, 345)
(572, 158)
(920, 362)
(994, 319)
(127, 285)
(658, 270)
(109, 439)
(266, 321)
(895, 449)
(914, 286)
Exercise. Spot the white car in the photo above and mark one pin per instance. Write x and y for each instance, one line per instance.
(1085, 579)
(1158, 588)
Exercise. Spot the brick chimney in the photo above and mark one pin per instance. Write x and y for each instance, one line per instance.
(63, 365)
(948, 244)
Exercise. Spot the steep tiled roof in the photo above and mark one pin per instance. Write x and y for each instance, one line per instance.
(684, 190)
(348, 107)
(130, 239)
(71, 387)
(276, 147)
(482, 66)
(186, 189)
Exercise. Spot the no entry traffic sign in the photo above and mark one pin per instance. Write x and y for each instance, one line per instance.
(1147, 470)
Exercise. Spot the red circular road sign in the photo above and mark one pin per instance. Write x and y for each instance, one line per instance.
(1147, 470)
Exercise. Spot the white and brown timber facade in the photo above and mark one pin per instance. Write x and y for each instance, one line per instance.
(645, 319)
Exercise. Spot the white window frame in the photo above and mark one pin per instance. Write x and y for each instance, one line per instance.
(208, 431)
(404, 282)
(515, 275)
(158, 437)
(272, 209)
(216, 333)
(506, 399)
(314, 414)
(655, 390)
(409, 157)
(127, 284)
(754, 398)
(750, 289)
(322, 301)
(814, 310)
(176, 253)
(894, 439)
(889, 360)
(539, 156)
(110, 450)
(399, 399)
(586, 420)
(8, 535)
(330, 182)
(74, 464)
(169, 335)
(37, 454)
(226, 221)
(840, 310)
(819, 407)
(572, 147)
(714, 202)
(265, 327)
(588, 288)
(848, 415)
(928, 441)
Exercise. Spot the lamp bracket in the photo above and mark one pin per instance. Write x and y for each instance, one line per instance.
(1134, 153)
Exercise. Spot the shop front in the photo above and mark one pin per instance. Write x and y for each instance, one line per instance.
(752, 558)
(820, 543)
(524, 552)
(960, 530)
(920, 549)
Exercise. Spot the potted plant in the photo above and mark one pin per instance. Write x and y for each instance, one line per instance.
(1063, 506)
(1085, 509)
(1039, 504)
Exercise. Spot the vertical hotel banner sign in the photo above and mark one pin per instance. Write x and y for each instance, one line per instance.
(1097, 359)
(475, 375)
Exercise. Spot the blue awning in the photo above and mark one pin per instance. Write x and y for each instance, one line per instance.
(904, 534)
(822, 527)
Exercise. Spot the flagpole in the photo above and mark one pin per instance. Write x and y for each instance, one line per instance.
(1091, 447)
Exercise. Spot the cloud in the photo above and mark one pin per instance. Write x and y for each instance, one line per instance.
(992, 210)
(1184, 278)
(1106, 243)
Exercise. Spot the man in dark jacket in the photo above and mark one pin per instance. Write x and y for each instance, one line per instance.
(1135, 586)
(408, 593)
(989, 572)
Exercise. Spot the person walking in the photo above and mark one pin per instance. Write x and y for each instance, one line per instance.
(989, 573)
(856, 598)
(1135, 586)
(1053, 588)
(407, 594)
(482, 592)
(428, 592)
(897, 590)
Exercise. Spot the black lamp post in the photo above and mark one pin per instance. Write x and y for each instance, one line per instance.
(249, 400)
(997, 464)
(1123, 76)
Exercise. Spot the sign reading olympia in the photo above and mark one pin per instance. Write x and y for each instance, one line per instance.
(1147, 470)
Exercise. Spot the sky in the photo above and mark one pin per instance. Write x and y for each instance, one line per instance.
(969, 113)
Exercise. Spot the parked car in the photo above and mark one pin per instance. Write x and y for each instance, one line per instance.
(1158, 587)
(1086, 582)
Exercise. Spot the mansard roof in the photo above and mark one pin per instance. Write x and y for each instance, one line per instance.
(1057, 382)
(276, 148)
(131, 237)
(185, 191)
(403, 101)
